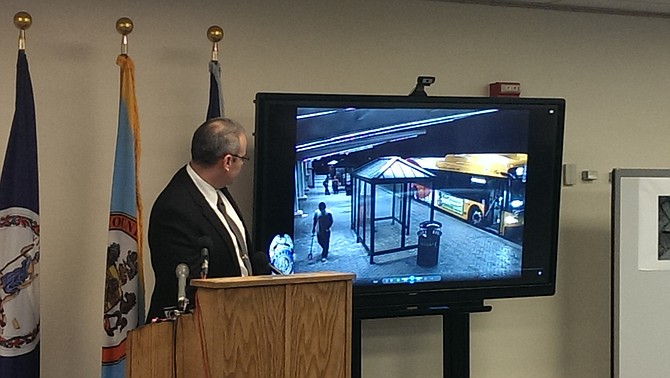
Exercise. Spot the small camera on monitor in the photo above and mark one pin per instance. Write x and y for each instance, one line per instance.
(425, 80)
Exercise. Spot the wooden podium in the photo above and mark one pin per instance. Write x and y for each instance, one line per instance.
(260, 326)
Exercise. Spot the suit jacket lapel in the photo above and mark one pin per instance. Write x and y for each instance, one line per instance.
(209, 213)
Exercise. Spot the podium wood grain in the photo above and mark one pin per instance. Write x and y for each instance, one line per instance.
(278, 326)
(148, 353)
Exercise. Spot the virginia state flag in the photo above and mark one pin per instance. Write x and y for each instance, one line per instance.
(20, 238)
(215, 108)
(124, 278)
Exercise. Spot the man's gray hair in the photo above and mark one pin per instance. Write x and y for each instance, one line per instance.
(214, 139)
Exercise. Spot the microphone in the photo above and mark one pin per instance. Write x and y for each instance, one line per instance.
(205, 243)
(261, 263)
(182, 272)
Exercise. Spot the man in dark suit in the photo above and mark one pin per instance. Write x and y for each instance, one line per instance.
(195, 205)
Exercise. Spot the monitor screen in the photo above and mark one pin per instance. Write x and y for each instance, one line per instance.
(429, 201)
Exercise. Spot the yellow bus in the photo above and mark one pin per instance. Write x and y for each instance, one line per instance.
(485, 190)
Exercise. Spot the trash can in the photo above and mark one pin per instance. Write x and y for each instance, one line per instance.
(429, 243)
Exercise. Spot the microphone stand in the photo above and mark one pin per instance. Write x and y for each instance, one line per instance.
(173, 313)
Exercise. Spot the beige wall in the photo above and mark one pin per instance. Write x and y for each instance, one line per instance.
(612, 70)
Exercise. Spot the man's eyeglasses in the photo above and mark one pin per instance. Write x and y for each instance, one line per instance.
(244, 158)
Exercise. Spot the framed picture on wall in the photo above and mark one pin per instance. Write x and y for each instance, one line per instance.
(640, 272)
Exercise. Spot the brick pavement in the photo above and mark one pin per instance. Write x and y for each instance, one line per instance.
(465, 252)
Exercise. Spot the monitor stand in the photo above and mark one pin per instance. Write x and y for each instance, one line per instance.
(455, 336)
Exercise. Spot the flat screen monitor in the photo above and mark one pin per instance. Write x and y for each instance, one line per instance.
(432, 202)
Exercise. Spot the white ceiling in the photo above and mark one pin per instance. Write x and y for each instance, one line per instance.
(643, 8)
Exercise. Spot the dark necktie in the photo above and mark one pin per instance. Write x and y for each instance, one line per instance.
(244, 254)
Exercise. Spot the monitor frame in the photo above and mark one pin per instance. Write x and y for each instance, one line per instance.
(273, 135)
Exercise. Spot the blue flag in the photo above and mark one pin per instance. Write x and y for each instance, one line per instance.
(124, 275)
(20, 238)
(215, 108)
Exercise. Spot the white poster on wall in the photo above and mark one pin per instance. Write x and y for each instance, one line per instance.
(653, 224)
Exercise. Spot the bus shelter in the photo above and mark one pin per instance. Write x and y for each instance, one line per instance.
(381, 213)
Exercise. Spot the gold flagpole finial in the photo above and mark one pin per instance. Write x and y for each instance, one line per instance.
(215, 35)
(124, 26)
(22, 20)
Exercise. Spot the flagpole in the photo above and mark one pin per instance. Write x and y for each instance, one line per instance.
(123, 308)
(22, 20)
(215, 35)
(20, 236)
(124, 26)
(215, 108)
